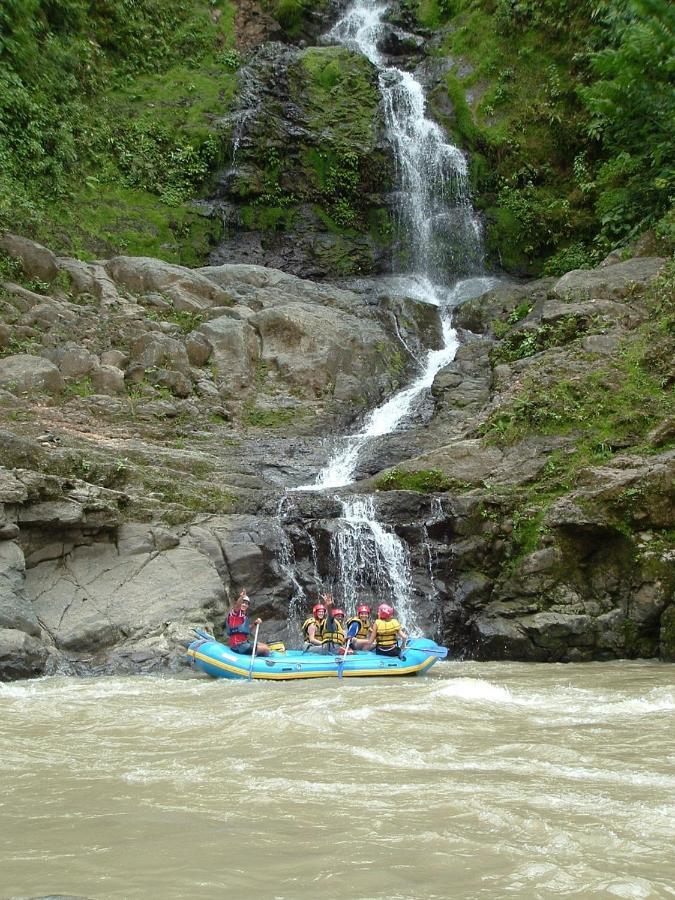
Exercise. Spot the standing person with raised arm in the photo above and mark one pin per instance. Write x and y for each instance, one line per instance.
(238, 628)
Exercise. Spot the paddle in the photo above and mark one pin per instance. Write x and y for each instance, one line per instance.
(441, 652)
(255, 644)
(351, 633)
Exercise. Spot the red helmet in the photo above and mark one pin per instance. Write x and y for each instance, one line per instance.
(319, 608)
(363, 610)
(384, 611)
(338, 612)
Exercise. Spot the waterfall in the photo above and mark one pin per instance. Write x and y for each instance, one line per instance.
(437, 221)
(435, 213)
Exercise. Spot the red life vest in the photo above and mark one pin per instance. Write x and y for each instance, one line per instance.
(237, 628)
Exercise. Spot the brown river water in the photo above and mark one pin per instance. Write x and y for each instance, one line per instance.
(478, 780)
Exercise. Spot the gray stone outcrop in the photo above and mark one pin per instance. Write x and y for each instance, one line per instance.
(23, 373)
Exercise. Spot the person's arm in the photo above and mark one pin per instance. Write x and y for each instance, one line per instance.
(371, 639)
(403, 634)
(311, 635)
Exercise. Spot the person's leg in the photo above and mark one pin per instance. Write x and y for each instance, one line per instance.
(262, 649)
(361, 644)
(394, 651)
(244, 649)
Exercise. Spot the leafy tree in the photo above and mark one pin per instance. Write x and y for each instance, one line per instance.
(632, 109)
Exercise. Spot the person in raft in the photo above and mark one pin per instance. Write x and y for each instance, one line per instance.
(334, 635)
(386, 631)
(238, 628)
(362, 618)
(323, 631)
(312, 629)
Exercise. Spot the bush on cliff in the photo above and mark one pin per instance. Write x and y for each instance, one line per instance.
(566, 108)
(105, 120)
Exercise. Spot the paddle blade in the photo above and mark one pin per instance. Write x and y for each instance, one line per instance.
(353, 630)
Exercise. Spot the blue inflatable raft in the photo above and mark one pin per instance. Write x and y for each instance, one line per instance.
(219, 661)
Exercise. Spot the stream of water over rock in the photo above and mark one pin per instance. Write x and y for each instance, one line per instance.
(443, 235)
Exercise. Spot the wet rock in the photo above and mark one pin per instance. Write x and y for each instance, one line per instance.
(667, 634)
(21, 655)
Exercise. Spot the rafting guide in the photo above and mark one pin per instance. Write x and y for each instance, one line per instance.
(238, 628)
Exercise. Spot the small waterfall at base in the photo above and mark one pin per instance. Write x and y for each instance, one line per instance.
(372, 560)
(443, 234)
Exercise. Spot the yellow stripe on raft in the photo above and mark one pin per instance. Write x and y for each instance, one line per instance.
(286, 676)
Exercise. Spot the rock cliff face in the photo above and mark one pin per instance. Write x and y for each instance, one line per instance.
(152, 418)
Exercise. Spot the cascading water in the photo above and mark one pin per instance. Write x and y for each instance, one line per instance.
(372, 559)
(435, 213)
(443, 236)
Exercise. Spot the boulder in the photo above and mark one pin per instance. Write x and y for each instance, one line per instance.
(37, 260)
(108, 380)
(110, 596)
(114, 358)
(615, 282)
(16, 611)
(25, 373)
(73, 360)
(52, 514)
(235, 351)
(160, 351)
(11, 489)
(461, 461)
(141, 275)
(21, 655)
(321, 350)
(198, 349)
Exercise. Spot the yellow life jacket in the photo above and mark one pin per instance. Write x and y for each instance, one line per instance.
(364, 627)
(385, 638)
(320, 625)
(333, 632)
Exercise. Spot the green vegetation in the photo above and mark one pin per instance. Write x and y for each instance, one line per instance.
(424, 481)
(187, 321)
(611, 406)
(528, 341)
(267, 418)
(567, 110)
(282, 185)
(78, 387)
(290, 14)
(106, 121)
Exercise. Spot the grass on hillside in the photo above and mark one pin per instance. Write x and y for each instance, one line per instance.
(608, 408)
(138, 131)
